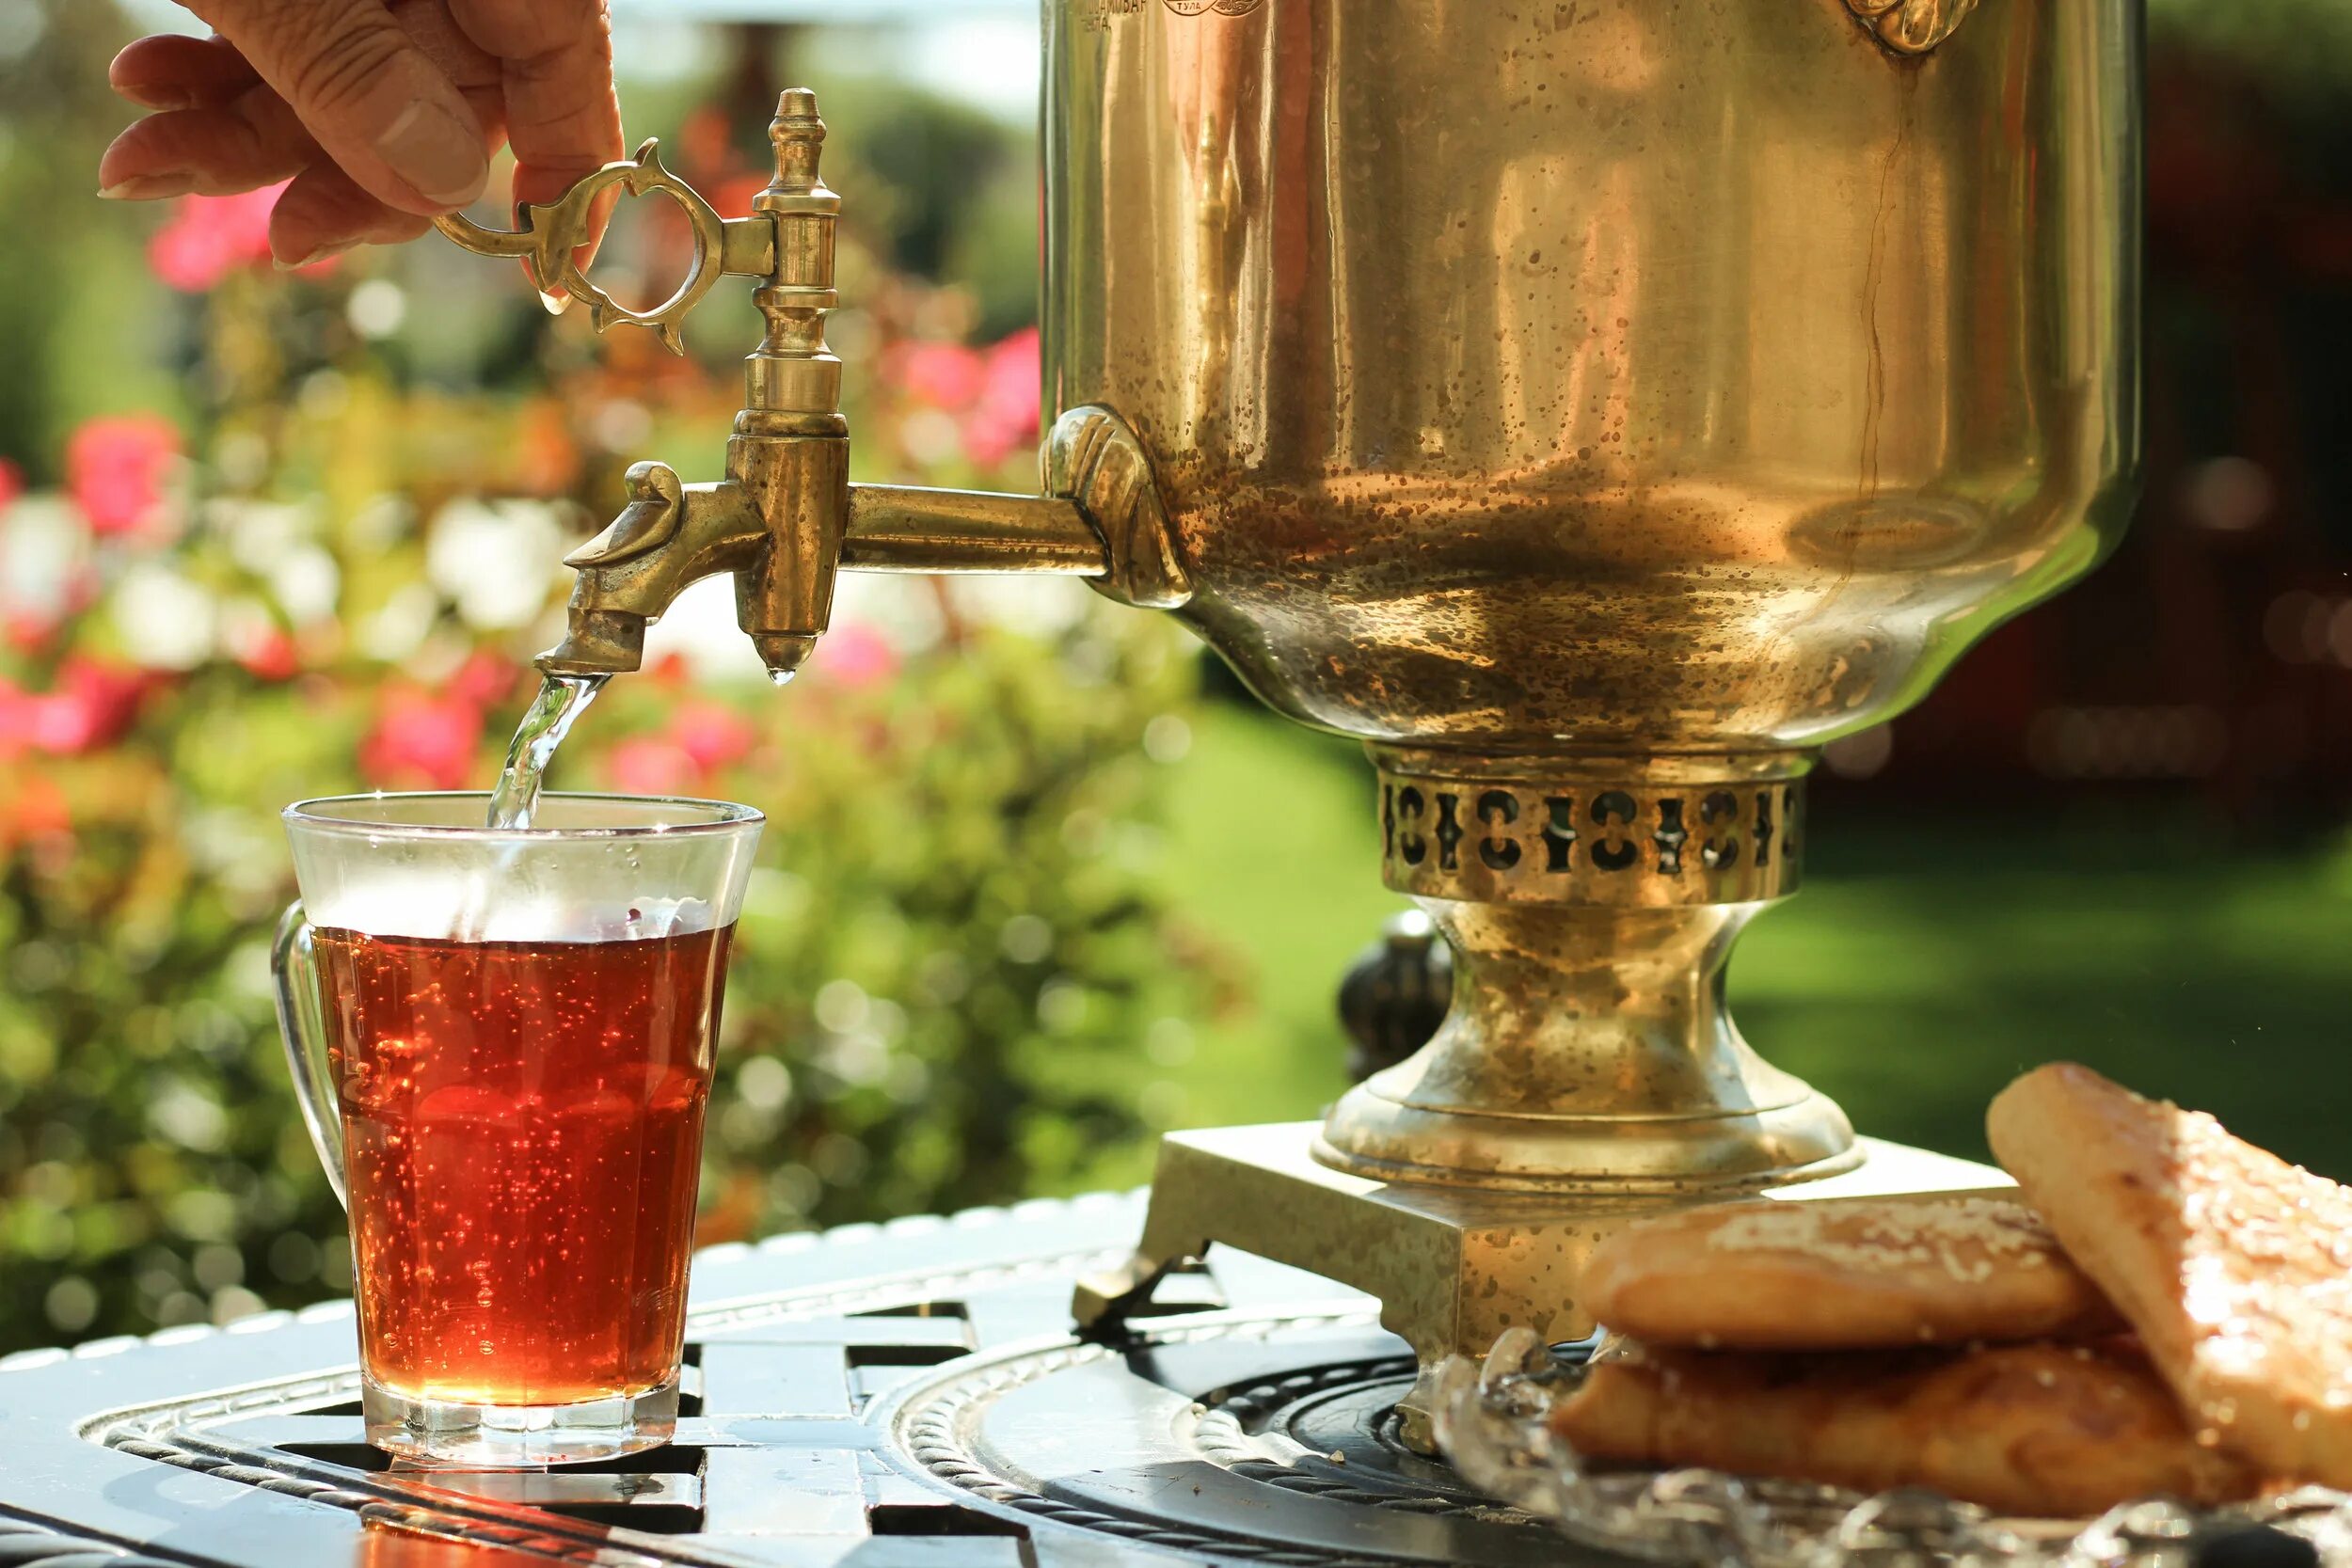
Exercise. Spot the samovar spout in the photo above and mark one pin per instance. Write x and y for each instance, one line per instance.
(670, 534)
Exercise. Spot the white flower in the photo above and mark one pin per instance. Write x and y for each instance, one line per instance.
(279, 543)
(401, 625)
(258, 531)
(45, 546)
(166, 621)
(496, 560)
(700, 627)
(308, 584)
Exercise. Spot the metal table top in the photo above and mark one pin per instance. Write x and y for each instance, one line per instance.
(903, 1394)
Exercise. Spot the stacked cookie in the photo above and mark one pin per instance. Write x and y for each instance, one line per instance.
(2168, 1312)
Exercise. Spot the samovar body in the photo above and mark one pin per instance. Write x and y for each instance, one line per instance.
(1595, 407)
(1617, 377)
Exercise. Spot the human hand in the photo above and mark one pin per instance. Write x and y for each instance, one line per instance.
(382, 113)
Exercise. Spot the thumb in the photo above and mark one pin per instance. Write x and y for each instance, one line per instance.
(376, 105)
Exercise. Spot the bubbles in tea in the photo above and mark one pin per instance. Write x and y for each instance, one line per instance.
(523, 1126)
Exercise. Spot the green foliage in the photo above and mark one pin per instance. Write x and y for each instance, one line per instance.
(2298, 47)
(68, 341)
(957, 191)
(957, 936)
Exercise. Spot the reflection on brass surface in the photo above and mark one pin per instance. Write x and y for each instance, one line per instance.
(1913, 26)
(1594, 408)
(1092, 456)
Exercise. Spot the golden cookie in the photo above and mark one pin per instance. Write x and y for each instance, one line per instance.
(1841, 1273)
(2034, 1430)
(2235, 1267)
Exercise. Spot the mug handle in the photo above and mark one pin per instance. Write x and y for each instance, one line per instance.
(302, 1023)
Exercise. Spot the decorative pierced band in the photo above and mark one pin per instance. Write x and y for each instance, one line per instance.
(1580, 838)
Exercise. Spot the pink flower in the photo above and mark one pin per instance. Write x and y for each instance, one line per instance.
(484, 680)
(91, 705)
(989, 442)
(115, 468)
(855, 655)
(209, 237)
(108, 695)
(422, 737)
(268, 653)
(649, 765)
(712, 736)
(946, 375)
(1004, 419)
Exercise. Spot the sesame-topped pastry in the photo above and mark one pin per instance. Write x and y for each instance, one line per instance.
(2042, 1430)
(1841, 1273)
(2234, 1266)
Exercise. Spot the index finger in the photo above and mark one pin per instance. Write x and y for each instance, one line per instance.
(172, 71)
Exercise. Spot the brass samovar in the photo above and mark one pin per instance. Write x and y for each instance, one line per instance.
(1592, 406)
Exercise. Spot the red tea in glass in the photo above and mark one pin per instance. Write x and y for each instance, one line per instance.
(522, 1126)
(503, 1039)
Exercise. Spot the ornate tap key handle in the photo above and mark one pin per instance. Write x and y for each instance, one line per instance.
(553, 233)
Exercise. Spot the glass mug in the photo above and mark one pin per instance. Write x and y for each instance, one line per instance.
(502, 1042)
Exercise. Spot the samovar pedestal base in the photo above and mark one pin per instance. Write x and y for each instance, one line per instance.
(1451, 1266)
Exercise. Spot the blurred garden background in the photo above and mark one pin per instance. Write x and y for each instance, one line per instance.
(1039, 882)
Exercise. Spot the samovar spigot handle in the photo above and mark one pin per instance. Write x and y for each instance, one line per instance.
(554, 235)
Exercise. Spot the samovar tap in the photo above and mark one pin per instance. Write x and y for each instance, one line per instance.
(787, 518)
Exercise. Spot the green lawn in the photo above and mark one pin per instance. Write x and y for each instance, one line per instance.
(1274, 856)
(1914, 975)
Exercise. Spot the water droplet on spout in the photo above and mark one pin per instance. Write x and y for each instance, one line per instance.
(783, 653)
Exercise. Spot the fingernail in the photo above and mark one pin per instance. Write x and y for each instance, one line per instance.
(160, 100)
(149, 187)
(323, 253)
(433, 152)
